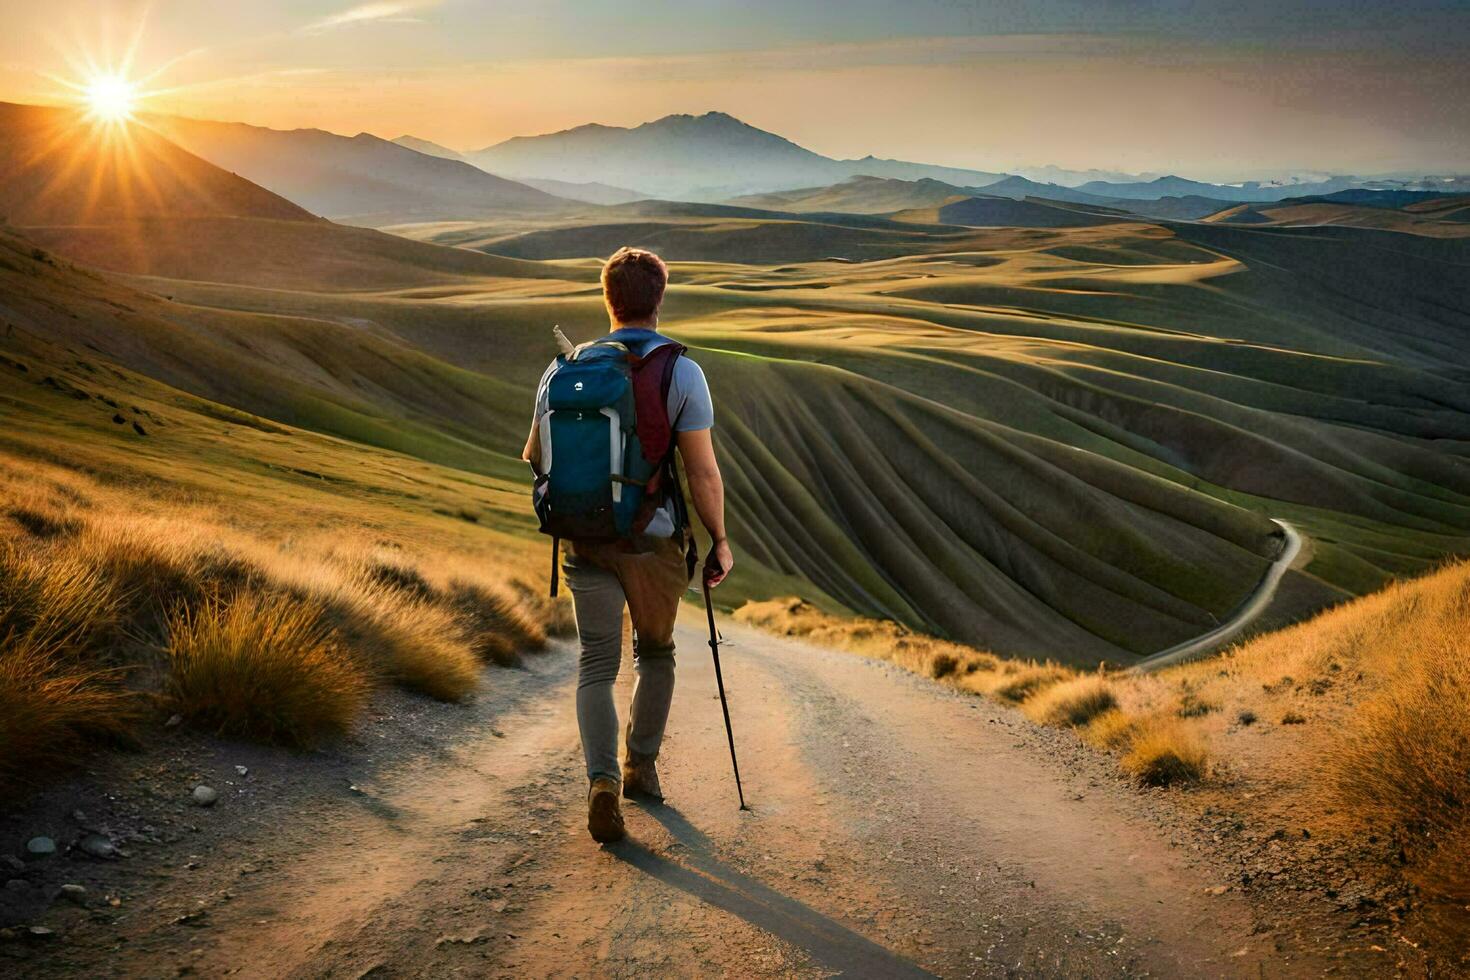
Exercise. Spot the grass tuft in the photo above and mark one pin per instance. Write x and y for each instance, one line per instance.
(1072, 703)
(942, 665)
(494, 622)
(1025, 680)
(1111, 729)
(44, 522)
(1163, 752)
(263, 666)
(56, 615)
(395, 573)
(419, 647)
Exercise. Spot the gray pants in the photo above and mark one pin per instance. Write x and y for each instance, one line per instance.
(649, 576)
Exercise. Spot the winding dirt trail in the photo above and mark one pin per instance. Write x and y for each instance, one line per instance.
(1291, 556)
(897, 829)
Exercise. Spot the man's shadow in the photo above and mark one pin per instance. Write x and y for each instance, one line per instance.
(708, 879)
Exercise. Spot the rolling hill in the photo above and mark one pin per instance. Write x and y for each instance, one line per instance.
(590, 192)
(1057, 442)
(751, 237)
(862, 194)
(362, 179)
(703, 158)
(1002, 212)
(879, 195)
(1434, 215)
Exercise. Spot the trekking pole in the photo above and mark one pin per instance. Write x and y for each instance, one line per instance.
(714, 648)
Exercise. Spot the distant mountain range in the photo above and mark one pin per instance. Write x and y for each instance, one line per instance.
(1174, 186)
(700, 158)
(360, 179)
(704, 159)
(714, 157)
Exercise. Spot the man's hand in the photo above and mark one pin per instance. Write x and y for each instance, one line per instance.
(707, 491)
(719, 563)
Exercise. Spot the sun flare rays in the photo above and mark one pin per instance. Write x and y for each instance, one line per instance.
(111, 98)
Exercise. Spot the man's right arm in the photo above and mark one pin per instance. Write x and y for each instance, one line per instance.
(707, 491)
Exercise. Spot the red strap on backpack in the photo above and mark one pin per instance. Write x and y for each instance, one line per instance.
(652, 376)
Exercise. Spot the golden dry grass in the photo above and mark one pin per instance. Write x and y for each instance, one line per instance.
(1400, 762)
(1361, 714)
(263, 666)
(50, 709)
(1072, 703)
(111, 605)
(1019, 683)
(884, 639)
(1162, 752)
(1404, 766)
(1110, 730)
(55, 693)
(1153, 750)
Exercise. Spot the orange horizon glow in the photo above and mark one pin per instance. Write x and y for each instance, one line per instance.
(437, 70)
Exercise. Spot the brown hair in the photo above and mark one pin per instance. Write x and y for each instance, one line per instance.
(633, 282)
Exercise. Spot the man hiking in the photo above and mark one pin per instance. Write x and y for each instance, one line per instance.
(609, 416)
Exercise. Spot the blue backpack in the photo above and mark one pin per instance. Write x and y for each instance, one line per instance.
(607, 452)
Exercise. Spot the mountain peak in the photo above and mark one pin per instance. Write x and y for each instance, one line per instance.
(710, 119)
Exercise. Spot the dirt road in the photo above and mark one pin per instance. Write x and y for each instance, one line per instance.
(1256, 603)
(898, 829)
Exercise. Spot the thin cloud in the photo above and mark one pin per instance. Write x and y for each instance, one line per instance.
(387, 11)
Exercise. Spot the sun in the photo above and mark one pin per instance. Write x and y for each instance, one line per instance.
(111, 98)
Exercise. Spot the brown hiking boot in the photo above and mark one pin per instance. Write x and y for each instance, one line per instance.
(640, 779)
(604, 812)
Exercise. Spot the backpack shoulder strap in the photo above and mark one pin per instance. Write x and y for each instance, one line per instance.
(653, 375)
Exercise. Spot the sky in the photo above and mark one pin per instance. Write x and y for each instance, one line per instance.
(1220, 91)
